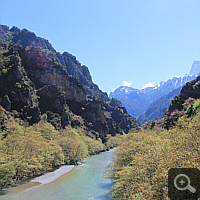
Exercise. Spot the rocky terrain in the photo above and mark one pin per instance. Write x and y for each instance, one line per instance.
(37, 82)
(180, 104)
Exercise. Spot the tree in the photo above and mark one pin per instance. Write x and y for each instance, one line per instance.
(6, 174)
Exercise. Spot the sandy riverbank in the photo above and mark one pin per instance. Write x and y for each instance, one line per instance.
(51, 176)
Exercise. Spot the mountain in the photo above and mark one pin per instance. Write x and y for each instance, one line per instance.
(37, 81)
(138, 101)
(195, 69)
(186, 104)
(132, 99)
(181, 105)
(68, 61)
(158, 108)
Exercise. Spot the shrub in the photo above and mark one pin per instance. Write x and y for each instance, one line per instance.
(6, 174)
(196, 106)
(97, 135)
(4, 71)
(44, 116)
(114, 141)
(18, 85)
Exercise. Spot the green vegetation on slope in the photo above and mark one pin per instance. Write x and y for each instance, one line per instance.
(141, 163)
(29, 151)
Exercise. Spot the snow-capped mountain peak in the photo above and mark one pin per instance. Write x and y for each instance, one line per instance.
(136, 101)
(195, 69)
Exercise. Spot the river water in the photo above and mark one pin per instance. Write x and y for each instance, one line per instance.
(84, 182)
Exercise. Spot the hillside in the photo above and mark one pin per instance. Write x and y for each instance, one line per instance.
(150, 154)
(68, 61)
(37, 53)
(141, 164)
(181, 105)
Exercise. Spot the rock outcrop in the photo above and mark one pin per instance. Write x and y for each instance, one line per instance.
(44, 71)
(57, 79)
(188, 95)
(16, 89)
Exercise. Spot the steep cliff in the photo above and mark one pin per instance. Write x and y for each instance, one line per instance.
(68, 61)
(17, 91)
(46, 67)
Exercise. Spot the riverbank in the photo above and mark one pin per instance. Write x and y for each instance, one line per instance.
(51, 176)
(82, 182)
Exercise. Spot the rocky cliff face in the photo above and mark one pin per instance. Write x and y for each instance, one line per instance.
(51, 72)
(78, 71)
(93, 112)
(44, 71)
(188, 95)
(191, 89)
(17, 91)
(33, 85)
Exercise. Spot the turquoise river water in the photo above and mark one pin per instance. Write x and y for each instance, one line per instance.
(84, 182)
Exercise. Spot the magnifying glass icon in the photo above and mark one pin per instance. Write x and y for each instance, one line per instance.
(182, 182)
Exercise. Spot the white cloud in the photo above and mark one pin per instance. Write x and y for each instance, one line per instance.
(149, 84)
(126, 83)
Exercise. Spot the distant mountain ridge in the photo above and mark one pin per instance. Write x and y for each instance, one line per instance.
(158, 108)
(139, 101)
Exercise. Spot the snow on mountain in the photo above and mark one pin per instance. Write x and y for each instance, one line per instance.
(136, 101)
(124, 90)
(195, 69)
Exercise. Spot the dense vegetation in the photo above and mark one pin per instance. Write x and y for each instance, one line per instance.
(28, 151)
(141, 163)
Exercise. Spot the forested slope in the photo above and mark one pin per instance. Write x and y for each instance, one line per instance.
(140, 165)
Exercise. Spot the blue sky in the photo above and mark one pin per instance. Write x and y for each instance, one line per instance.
(122, 42)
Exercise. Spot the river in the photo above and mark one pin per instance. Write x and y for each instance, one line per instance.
(84, 182)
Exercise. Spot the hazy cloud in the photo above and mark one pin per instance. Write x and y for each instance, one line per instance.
(149, 84)
(114, 89)
(126, 83)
